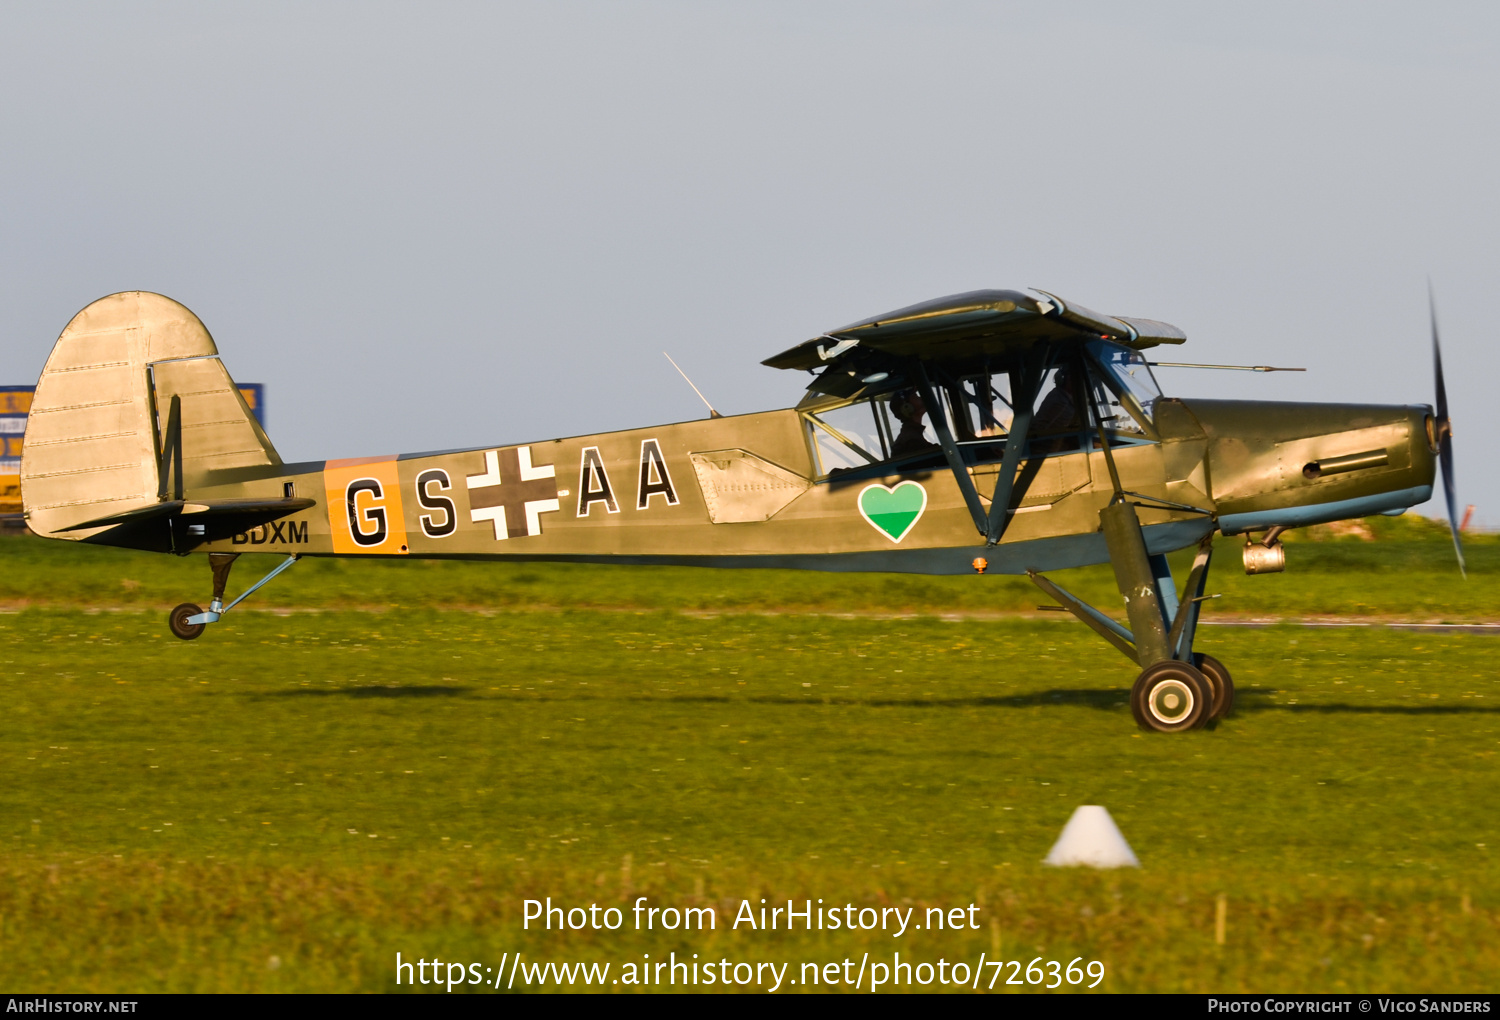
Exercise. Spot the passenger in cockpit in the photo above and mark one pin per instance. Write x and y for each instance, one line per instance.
(1059, 410)
(1058, 413)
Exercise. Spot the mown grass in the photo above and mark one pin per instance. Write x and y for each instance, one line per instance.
(288, 802)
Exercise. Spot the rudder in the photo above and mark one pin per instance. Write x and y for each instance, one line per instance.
(100, 438)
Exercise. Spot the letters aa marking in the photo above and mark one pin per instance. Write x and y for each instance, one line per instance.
(593, 484)
(654, 477)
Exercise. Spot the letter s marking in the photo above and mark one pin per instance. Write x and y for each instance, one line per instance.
(430, 527)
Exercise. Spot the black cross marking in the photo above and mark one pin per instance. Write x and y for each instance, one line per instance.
(512, 493)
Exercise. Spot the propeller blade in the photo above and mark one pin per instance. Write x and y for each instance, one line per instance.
(1445, 434)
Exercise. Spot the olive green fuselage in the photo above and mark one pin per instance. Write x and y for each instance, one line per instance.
(749, 491)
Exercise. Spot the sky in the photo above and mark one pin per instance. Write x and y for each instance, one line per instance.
(438, 225)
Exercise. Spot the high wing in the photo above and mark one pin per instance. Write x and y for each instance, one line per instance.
(979, 325)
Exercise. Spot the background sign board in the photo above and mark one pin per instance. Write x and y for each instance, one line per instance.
(15, 405)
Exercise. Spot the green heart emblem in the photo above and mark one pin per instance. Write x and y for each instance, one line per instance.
(893, 512)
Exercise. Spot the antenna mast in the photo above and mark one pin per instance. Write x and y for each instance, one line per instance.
(711, 412)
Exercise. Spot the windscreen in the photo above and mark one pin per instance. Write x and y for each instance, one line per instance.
(1134, 391)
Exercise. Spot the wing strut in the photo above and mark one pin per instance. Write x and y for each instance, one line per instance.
(950, 450)
(1015, 443)
(1109, 458)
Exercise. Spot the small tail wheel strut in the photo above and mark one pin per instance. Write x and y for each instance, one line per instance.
(188, 620)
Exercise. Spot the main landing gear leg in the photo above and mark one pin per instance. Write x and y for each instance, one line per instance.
(188, 620)
(1177, 689)
(1170, 695)
(1185, 626)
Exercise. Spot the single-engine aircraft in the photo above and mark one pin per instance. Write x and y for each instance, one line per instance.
(992, 432)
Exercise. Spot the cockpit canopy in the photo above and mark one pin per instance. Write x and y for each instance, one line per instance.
(868, 402)
(891, 426)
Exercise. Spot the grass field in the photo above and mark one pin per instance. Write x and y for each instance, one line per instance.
(291, 800)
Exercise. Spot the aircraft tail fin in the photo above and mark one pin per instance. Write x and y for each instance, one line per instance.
(134, 408)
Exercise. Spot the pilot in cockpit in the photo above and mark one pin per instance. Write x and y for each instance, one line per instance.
(910, 409)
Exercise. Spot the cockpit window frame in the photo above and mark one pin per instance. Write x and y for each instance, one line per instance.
(889, 464)
(818, 423)
(1126, 396)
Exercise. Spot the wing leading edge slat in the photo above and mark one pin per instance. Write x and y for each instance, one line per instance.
(981, 323)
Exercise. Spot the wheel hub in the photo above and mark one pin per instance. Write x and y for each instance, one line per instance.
(1171, 701)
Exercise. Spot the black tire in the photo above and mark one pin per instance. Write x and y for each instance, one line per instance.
(1170, 697)
(1221, 682)
(178, 618)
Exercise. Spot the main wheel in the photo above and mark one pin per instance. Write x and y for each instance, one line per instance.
(178, 621)
(1219, 679)
(1170, 697)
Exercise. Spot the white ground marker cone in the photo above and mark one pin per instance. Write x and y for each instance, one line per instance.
(1092, 839)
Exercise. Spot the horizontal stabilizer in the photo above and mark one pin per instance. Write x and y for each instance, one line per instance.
(203, 511)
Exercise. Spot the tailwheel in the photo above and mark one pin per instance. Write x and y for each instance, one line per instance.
(1170, 697)
(178, 621)
(1219, 680)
